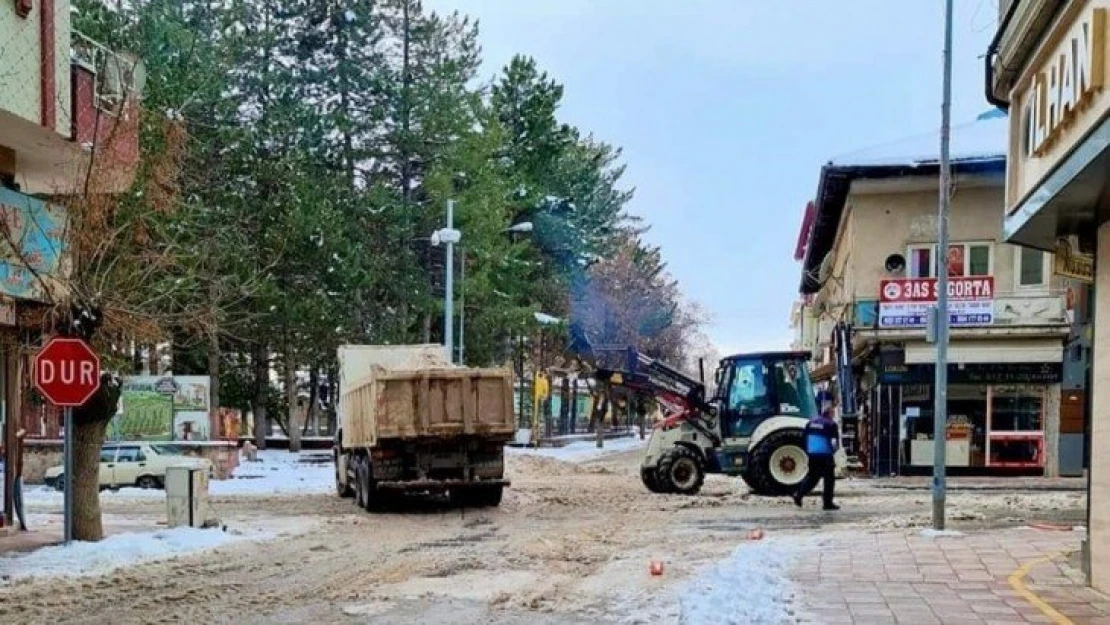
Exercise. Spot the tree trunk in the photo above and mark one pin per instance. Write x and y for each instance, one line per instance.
(213, 373)
(88, 437)
(564, 406)
(292, 412)
(260, 363)
(90, 423)
(312, 414)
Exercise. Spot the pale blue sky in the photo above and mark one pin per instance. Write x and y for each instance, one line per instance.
(726, 110)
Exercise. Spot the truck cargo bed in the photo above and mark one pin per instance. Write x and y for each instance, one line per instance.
(429, 403)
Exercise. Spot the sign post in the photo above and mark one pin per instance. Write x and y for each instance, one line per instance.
(67, 373)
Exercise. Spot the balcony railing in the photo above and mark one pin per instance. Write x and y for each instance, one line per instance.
(116, 75)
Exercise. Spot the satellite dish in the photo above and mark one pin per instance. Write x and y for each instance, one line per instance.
(895, 264)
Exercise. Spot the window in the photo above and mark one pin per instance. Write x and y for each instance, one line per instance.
(748, 393)
(108, 454)
(1018, 408)
(130, 454)
(167, 450)
(921, 261)
(1031, 271)
(963, 260)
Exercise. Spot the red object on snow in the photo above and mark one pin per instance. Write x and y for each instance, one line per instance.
(656, 568)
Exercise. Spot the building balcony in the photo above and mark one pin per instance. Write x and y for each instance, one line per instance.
(68, 117)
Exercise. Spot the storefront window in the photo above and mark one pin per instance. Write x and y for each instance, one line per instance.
(1018, 408)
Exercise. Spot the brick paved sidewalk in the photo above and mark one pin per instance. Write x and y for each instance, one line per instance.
(910, 577)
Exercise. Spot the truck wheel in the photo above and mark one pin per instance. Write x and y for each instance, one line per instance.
(778, 464)
(343, 490)
(489, 497)
(647, 476)
(360, 488)
(680, 471)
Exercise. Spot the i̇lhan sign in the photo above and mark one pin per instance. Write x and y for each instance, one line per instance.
(905, 303)
(1066, 83)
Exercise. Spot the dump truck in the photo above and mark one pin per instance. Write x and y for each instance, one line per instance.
(410, 422)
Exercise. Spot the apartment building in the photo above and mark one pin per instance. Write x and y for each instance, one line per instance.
(868, 249)
(1047, 65)
(68, 128)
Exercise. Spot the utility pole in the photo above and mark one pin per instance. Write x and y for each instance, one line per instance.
(940, 408)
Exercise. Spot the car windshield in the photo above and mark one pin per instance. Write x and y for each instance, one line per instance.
(167, 450)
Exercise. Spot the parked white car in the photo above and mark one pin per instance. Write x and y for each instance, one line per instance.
(134, 464)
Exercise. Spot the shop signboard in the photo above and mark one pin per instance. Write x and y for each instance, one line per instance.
(905, 302)
(163, 408)
(32, 249)
(915, 375)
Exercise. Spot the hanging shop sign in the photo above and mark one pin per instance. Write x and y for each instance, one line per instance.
(1070, 263)
(905, 303)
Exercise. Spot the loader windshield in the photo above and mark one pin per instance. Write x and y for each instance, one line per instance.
(763, 387)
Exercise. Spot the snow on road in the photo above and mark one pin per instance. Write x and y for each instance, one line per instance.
(582, 451)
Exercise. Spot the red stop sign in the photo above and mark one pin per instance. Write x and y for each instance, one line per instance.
(67, 372)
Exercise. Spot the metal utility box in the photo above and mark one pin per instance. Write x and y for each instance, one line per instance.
(187, 497)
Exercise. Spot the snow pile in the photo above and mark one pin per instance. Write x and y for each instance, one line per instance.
(84, 558)
(582, 451)
(983, 139)
(751, 586)
(279, 472)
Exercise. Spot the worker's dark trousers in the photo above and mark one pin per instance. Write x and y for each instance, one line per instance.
(820, 468)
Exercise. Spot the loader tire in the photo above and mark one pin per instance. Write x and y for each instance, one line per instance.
(680, 471)
(647, 476)
(777, 464)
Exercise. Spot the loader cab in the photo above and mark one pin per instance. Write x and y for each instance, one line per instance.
(752, 388)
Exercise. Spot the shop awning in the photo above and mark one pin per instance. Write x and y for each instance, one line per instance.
(986, 352)
(1065, 202)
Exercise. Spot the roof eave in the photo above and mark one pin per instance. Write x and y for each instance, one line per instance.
(831, 198)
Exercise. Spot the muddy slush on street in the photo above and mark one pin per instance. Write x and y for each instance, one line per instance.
(571, 543)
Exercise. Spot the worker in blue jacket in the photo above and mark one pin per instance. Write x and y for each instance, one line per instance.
(822, 437)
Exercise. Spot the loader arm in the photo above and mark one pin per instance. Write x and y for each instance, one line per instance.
(681, 396)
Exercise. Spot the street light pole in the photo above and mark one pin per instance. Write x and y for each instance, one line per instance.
(940, 407)
(449, 286)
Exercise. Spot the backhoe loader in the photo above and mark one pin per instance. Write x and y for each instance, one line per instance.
(751, 427)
